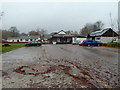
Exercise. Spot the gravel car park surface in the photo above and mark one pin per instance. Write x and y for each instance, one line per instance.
(60, 66)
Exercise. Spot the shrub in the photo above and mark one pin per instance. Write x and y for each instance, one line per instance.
(113, 44)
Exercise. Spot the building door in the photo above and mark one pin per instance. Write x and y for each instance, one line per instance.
(63, 39)
(17, 40)
(69, 40)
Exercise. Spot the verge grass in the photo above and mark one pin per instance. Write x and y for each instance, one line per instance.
(10, 48)
(112, 45)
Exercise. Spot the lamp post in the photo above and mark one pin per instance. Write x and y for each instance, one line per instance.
(1, 19)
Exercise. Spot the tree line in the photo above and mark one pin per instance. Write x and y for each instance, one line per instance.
(87, 29)
(91, 27)
(14, 32)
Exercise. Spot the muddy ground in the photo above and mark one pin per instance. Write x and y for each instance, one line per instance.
(60, 66)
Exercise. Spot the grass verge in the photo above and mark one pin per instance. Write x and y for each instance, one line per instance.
(10, 48)
(112, 45)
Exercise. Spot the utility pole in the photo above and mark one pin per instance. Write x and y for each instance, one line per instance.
(112, 26)
(119, 17)
(1, 19)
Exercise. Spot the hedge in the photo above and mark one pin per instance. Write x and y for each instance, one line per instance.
(113, 44)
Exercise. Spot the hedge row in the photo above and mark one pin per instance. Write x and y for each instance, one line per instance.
(113, 44)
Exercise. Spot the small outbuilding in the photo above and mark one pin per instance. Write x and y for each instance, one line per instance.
(105, 36)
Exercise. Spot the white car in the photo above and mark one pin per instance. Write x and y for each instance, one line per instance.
(75, 42)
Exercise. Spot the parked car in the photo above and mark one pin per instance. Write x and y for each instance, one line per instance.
(33, 43)
(6, 45)
(90, 43)
(75, 42)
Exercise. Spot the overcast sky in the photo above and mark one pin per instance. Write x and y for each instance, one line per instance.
(55, 16)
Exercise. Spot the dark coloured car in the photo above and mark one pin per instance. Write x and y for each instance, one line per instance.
(75, 42)
(33, 43)
(6, 45)
(90, 43)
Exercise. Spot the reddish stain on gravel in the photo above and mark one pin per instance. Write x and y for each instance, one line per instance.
(4, 74)
(21, 70)
(81, 79)
(66, 70)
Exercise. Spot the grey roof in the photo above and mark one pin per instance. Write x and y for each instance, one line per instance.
(29, 37)
(9, 38)
(99, 33)
(53, 33)
(24, 37)
(3, 40)
(59, 35)
(56, 34)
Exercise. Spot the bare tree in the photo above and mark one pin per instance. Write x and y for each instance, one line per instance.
(40, 32)
(88, 28)
(43, 33)
(75, 33)
(5, 34)
(14, 31)
(69, 32)
(23, 34)
(85, 31)
(72, 32)
(113, 22)
(98, 25)
(33, 33)
(1, 15)
(118, 26)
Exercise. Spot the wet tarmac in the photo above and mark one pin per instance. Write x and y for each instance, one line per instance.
(60, 66)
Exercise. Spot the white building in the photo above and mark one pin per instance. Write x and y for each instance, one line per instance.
(79, 38)
(63, 37)
(105, 36)
(23, 39)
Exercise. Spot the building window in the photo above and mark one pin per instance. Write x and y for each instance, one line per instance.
(20, 39)
(12, 40)
(30, 39)
(17, 40)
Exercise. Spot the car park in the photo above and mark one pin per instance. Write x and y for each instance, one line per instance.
(33, 43)
(90, 43)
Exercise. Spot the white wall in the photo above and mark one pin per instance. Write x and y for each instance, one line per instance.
(23, 40)
(106, 39)
(79, 39)
(15, 40)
